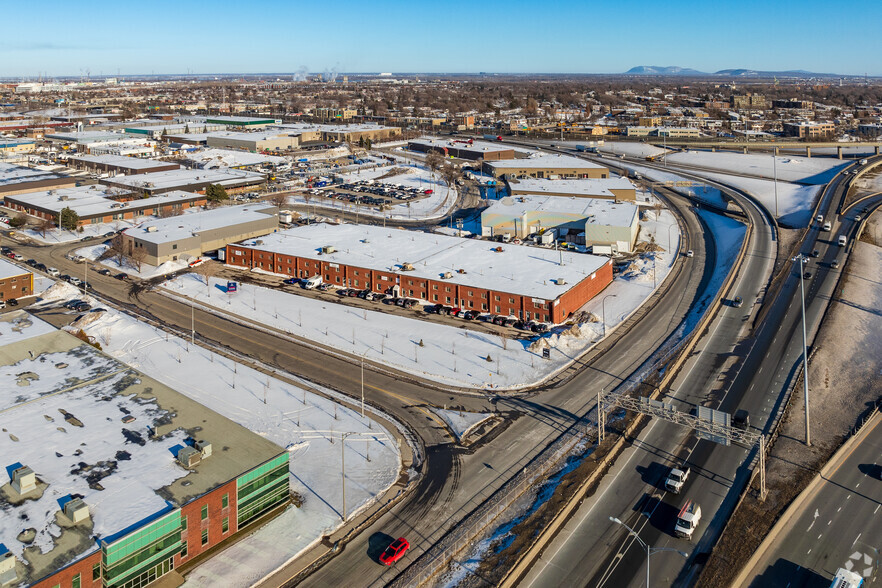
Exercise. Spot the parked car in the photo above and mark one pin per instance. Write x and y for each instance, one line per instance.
(324, 287)
(12, 302)
(395, 551)
(64, 277)
(75, 281)
(104, 272)
(53, 272)
(82, 306)
(409, 303)
(343, 291)
(499, 320)
(121, 276)
(509, 321)
(291, 281)
(72, 303)
(455, 311)
(469, 315)
(31, 262)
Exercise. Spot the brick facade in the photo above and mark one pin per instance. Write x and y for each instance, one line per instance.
(17, 286)
(64, 578)
(196, 525)
(467, 297)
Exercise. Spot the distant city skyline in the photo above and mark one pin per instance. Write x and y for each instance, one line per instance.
(564, 36)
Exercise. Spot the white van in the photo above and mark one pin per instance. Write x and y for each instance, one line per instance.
(842, 240)
(312, 283)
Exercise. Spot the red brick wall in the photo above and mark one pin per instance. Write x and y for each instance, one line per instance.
(64, 577)
(575, 297)
(195, 525)
(17, 286)
(463, 296)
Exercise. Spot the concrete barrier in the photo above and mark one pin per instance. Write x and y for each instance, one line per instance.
(835, 462)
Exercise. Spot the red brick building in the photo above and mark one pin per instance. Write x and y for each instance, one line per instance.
(15, 282)
(465, 288)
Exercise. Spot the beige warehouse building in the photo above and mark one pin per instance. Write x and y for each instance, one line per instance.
(546, 166)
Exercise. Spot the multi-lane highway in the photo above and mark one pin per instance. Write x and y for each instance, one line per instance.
(838, 526)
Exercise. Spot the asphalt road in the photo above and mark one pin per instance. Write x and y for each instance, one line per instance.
(839, 527)
(454, 481)
(771, 359)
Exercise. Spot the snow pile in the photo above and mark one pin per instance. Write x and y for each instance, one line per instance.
(806, 170)
(461, 423)
(54, 236)
(148, 271)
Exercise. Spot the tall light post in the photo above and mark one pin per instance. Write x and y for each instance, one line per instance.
(649, 550)
(362, 381)
(343, 467)
(805, 387)
(192, 323)
(603, 306)
(669, 235)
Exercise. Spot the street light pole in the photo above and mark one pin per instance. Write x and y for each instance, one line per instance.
(603, 306)
(343, 467)
(805, 374)
(775, 168)
(192, 323)
(362, 381)
(649, 550)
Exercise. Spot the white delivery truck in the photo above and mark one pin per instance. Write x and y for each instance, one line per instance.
(847, 579)
(312, 283)
(676, 479)
(688, 519)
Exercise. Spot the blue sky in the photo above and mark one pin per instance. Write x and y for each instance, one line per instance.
(553, 36)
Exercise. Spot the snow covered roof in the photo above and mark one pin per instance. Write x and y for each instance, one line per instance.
(9, 269)
(543, 161)
(527, 271)
(16, 174)
(245, 135)
(185, 225)
(90, 137)
(437, 143)
(92, 200)
(598, 212)
(122, 161)
(577, 187)
(212, 158)
(349, 128)
(183, 178)
(91, 427)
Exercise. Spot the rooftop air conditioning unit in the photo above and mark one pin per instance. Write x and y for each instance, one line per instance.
(76, 510)
(406, 267)
(24, 480)
(447, 275)
(152, 229)
(329, 249)
(189, 457)
(204, 447)
(259, 242)
(560, 281)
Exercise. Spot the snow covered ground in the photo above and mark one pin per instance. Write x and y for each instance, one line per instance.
(805, 170)
(461, 422)
(630, 149)
(56, 236)
(450, 355)
(307, 424)
(93, 252)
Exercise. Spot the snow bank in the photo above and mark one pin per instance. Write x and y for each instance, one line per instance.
(806, 170)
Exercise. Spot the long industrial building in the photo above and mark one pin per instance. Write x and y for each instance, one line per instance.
(546, 166)
(110, 478)
(526, 282)
(617, 188)
(193, 180)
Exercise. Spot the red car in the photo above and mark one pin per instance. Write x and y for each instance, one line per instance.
(395, 551)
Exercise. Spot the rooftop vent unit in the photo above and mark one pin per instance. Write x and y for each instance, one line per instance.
(498, 250)
(204, 448)
(406, 267)
(189, 457)
(328, 249)
(460, 271)
(62, 197)
(447, 275)
(560, 281)
(259, 242)
(76, 510)
(152, 229)
(24, 480)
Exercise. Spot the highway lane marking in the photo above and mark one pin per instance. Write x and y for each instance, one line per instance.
(856, 538)
(877, 508)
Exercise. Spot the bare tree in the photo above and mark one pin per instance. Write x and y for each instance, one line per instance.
(434, 160)
(450, 173)
(138, 256)
(279, 199)
(206, 271)
(45, 225)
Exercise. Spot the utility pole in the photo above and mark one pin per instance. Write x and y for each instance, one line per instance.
(775, 168)
(343, 466)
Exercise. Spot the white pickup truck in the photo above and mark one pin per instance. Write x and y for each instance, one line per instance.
(688, 519)
(676, 479)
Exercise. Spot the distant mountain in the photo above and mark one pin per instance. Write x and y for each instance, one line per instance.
(657, 70)
(673, 70)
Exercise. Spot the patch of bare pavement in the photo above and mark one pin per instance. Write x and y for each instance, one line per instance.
(843, 387)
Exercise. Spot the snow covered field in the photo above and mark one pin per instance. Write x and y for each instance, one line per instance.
(307, 424)
(56, 236)
(630, 149)
(805, 170)
(448, 354)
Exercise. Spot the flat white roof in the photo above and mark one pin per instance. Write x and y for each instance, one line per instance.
(93, 200)
(246, 136)
(186, 225)
(17, 174)
(517, 269)
(484, 146)
(597, 212)
(545, 160)
(9, 269)
(213, 158)
(90, 136)
(580, 187)
(241, 119)
(348, 128)
(123, 161)
(180, 178)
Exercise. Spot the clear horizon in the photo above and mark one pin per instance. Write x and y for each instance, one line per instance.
(511, 38)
